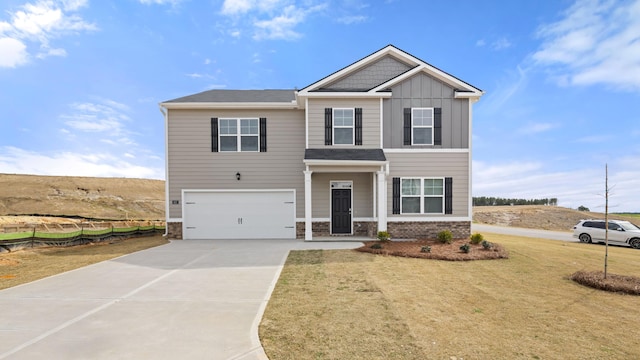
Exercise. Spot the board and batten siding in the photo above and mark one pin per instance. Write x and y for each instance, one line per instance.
(371, 75)
(424, 91)
(192, 164)
(370, 121)
(362, 193)
(436, 164)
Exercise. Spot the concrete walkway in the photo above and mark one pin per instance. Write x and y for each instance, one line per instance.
(185, 300)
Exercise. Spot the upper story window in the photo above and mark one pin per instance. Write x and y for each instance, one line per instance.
(422, 126)
(342, 126)
(343, 121)
(422, 196)
(239, 134)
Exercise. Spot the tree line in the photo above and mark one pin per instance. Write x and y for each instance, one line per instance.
(496, 201)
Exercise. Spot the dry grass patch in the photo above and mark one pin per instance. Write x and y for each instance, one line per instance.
(28, 265)
(353, 305)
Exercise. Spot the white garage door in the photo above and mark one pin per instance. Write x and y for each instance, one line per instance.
(239, 214)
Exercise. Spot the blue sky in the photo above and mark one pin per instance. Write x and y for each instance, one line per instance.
(80, 80)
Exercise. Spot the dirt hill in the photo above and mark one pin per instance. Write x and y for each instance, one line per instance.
(142, 199)
(538, 217)
(88, 197)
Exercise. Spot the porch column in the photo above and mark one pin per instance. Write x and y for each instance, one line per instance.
(382, 201)
(308, 234)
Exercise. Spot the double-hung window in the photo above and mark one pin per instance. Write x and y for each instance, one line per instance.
(422, 196)
(239, 134)
(343, 121)
(422, 126)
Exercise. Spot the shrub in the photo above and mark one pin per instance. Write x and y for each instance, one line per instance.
(383, 236)
(445, 236)
(477, 238)
(486, 245)
(465, 248)
(376, 246)
(425, 249)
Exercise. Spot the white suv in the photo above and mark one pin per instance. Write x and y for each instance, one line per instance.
(620, 232)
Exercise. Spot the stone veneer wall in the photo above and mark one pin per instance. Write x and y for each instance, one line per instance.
(398, 230)
(428, 230)
(321, 228)
(174, 230)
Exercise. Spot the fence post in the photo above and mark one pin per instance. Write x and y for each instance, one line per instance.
(33, 236)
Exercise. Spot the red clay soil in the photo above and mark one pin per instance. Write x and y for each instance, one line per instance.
(439, 251)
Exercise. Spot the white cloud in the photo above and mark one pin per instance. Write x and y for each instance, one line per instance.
(106, 116)
(353, 19)
(39, 23)
(481, 43)
(161, 2)
(596, 42)
(572, 188)
(13, 52)
(500, 44)
(268, 19)
(14, 160)
(537, 128)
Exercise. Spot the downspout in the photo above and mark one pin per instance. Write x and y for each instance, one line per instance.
(165, 114)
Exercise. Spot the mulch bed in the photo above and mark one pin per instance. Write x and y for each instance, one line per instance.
(613, 283)
(439, 251)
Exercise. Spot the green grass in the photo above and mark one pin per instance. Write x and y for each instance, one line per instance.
(348, 305)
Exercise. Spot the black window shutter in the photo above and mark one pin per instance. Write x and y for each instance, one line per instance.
(407, 126)
(448, 195)
(263, 134)
(358, 126)
(214, 134)
(437, 126)
(328, 125)
(396, 195)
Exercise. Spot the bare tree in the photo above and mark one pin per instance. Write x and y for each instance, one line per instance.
(606, 218)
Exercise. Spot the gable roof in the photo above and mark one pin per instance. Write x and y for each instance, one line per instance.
(463, 89)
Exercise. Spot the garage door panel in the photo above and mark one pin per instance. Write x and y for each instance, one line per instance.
(239, 215)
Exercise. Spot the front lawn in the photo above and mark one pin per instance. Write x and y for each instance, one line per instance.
(343, 304)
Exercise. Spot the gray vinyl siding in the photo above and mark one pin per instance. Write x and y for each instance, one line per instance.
(370, 76)
(370, 121)
(424, 91)
(192, 165)
(437, 164)
(362, 193)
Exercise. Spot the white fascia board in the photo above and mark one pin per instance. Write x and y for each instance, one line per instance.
(358, 64)
(346, 94)
(231, 105)
(313, 162)
(438, 74)
(467, 94)
(408, 151)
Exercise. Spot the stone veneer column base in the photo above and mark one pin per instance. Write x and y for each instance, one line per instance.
(321, 228)
(174, 230)
(428, 230)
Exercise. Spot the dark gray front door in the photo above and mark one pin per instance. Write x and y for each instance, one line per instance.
(341, 211)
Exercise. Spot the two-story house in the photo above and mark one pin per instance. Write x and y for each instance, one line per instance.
(382, 144)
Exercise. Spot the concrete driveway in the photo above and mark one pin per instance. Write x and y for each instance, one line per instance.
(184, 300)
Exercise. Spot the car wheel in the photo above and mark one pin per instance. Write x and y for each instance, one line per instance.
(635, 243)
(585, 238)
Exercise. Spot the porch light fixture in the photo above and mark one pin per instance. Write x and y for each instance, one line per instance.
(238, 176)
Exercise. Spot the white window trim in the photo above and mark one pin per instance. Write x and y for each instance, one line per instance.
(352, 127)
(238, 135)
(422, 126)
(422, 196)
